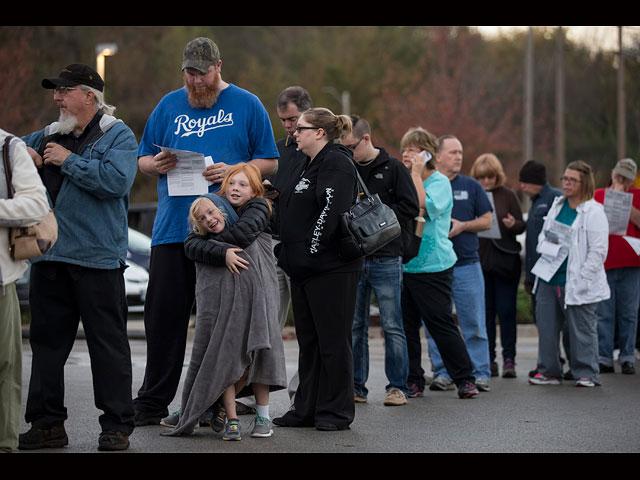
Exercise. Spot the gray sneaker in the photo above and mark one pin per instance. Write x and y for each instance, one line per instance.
(262, 427)
(232, 430)
(441, 383)
(172, 420)
(219, 419)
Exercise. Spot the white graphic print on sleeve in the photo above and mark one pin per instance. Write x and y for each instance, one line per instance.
(317, 231)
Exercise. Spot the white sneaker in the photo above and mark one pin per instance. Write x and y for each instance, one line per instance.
(540, 379)
(585, 382)
(441, 383)
(482, 384)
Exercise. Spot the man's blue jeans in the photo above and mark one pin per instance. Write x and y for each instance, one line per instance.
(468, 296)
(619, 312)
(383, 276)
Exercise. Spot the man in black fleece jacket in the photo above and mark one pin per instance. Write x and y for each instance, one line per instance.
(382, 271)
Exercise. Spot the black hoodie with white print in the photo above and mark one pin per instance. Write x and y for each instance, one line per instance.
(310, 210)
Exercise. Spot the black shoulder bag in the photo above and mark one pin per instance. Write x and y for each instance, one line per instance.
(368, 225)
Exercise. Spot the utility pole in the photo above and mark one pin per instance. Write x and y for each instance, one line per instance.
(622, 120)
(560, 160)
(528, 100)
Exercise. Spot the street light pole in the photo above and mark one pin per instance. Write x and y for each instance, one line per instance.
(104, 50)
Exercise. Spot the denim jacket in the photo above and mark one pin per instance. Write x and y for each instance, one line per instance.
(92, 206)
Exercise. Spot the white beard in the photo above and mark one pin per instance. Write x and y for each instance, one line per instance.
(67, 123)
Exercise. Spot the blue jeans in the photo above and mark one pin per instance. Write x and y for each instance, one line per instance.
(468, 296)
(619, 312)
(383, 276)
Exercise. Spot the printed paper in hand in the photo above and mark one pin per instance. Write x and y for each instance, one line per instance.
(494, 231)
(617, 207)
(186, 178)
(554, 249)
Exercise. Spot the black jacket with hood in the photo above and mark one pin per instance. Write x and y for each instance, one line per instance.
(391, 180)
(310, 208)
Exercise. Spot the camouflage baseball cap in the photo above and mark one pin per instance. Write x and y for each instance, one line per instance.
(200, 54)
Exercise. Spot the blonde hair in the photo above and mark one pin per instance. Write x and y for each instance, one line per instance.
(193, 211)
(488, 165)
(253, 175)
(334, 126)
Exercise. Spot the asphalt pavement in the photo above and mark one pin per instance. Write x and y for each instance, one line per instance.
(514, 417)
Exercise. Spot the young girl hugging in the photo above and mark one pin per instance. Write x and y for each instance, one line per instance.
(237, 349)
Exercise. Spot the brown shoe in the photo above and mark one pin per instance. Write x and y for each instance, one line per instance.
(112, 440)
(54, 437)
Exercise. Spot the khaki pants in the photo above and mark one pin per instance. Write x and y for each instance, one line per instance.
(10, 368)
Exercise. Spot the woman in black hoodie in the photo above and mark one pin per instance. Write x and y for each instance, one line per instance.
(323, 283)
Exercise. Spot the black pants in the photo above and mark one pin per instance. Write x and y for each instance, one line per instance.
(323, 308)
(167, 308)
(61, 294)
(428, 297)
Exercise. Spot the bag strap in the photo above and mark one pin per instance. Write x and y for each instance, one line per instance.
(502, 249)
(7, 165)
(361, 183)
(7, 173)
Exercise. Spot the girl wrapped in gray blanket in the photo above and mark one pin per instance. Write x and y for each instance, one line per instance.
(237, 349)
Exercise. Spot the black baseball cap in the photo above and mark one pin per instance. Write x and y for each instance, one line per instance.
(75, 74)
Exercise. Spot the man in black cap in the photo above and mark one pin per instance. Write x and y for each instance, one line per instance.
(219, 120)
(87, 162)
(534, 184)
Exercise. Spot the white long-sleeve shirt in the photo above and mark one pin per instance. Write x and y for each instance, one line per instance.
(28, 206)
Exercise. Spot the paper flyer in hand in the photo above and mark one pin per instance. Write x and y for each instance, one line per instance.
(186, 178)
(617, 208)
(554, 249)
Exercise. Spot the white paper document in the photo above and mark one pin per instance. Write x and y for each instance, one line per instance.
(617, 207)
(634, 242)
(494, 231)
(186, 178)
(554, 249)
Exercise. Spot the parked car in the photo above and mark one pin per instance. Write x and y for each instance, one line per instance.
(136, 275)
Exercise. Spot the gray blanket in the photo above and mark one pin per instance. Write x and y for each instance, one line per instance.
(236, 328)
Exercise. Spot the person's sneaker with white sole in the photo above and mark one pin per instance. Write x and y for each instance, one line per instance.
(442, 384)
(540, 379)
(262, 427)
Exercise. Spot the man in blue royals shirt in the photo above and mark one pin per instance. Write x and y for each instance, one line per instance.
(471, 214)
(217, 119)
